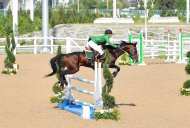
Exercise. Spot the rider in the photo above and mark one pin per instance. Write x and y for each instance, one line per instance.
(95, 41)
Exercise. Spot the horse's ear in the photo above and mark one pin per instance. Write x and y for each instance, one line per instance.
(135, 43)
(122, 41)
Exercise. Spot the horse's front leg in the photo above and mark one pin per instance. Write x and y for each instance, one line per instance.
(65, 72)
(117, 69)
(63, 80)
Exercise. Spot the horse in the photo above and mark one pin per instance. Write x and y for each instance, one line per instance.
(73, 61)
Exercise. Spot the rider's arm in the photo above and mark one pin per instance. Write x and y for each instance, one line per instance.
(109, 42)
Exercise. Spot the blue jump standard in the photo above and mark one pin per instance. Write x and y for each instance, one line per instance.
(75, 108)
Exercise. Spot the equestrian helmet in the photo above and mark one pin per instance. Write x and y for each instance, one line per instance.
(108, 31)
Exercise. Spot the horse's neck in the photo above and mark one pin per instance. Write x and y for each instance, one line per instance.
(115, 53)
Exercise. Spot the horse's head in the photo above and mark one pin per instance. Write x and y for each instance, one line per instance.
(131, 49)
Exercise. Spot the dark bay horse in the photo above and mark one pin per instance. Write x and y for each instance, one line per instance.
(71, 62)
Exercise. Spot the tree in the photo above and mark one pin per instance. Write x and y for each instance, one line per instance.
(25, 24)
(181, 4)
(88, 4)
(170, 4)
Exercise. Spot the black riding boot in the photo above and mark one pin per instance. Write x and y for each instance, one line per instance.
(101, 56)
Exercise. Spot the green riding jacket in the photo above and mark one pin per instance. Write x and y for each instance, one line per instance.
(105, 39)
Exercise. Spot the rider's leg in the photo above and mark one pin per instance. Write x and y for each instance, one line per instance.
(96, 48)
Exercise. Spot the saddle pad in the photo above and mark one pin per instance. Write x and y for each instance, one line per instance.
(89, 54)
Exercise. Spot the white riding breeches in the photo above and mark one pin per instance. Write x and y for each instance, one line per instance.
(95, 47)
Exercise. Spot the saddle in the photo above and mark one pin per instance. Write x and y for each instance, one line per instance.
(91, 55)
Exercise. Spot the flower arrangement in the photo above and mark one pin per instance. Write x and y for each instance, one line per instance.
(125, 60)
(112, 114)
(59, 93)
(185, 91)
(10, 71)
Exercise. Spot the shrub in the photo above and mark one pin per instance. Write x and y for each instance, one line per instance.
(188, 54)
(10, 59)
(187, 68)
(108, 100)
(9, 48)
(181, 18)
(185, 90)
(186, 84)
(59, 93)
(162, 56)
(57, 89)
(137, 18)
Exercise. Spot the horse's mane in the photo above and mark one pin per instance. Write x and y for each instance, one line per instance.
(122, 43)
(108, 46)
(126, 43)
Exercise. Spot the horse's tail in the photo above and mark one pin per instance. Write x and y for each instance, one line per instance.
(53, 62)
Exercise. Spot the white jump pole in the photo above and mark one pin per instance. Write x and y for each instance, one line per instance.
(98, 103)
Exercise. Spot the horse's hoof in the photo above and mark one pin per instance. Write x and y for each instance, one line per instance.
(62, 85)
(114, 74)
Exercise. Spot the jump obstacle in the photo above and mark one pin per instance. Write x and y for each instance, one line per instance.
(182, 37)
(78, 106)
(170, 48)
(140, 38)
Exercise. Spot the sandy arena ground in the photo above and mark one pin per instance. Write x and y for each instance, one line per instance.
(147, 97)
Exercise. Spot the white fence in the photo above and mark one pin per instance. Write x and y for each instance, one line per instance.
(34, 45)
(164, 20)
(154, 48)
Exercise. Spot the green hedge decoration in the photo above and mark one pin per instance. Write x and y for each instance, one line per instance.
(108, 111)
(185, 90)
(187, 68)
